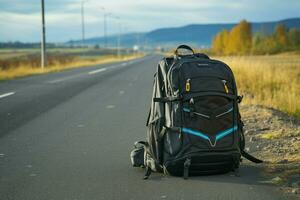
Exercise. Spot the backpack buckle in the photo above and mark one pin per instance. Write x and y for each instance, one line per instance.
(186, 167)
(240, 98)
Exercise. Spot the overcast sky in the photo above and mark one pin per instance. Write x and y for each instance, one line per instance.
(20, 19)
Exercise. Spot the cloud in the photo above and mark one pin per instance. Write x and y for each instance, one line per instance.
(20, 19)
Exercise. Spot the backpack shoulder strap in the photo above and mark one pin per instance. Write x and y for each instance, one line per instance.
(250, 157)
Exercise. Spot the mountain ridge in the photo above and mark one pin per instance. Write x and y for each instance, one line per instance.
(193, 34)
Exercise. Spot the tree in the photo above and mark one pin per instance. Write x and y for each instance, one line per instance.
(257, 42)
(220, 42)
(246, 36)
(237, 41)
(216, 44)
(294, 37)
(240, 39)
(281, 35)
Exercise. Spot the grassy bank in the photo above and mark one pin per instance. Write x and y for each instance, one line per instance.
(22, 63)
(273, 81)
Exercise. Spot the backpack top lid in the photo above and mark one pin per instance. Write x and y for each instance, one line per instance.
(185, 50)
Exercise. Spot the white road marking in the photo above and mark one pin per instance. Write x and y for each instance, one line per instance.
(56, 81)
(122, 92)
(32, 175)
(110, 106)
(6, 94)
(97, 71)
(65, 78)
(115, 66)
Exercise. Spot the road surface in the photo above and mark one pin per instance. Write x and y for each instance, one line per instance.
(68, 136)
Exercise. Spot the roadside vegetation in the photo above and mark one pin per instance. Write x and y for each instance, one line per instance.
(266, 65)
(23, 62)
(241, 41)
(267, 72)
(272, 81)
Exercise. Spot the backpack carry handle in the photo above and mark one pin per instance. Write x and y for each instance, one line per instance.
(183, 46)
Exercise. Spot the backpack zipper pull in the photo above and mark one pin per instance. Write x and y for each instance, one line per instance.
(192, 107)
(225, 86)
(187, 85)
(192, 101)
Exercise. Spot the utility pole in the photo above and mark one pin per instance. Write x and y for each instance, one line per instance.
(119, 36)
(43, 43)
(105, 30)
(119, 41)
(82, 22)
(106, 15)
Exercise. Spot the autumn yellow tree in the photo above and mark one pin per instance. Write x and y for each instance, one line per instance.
(237, 41)
(220, 41)
(281, 35)
(217, 44)
(240, 39)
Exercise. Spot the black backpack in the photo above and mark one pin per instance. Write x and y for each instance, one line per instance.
(194, 124)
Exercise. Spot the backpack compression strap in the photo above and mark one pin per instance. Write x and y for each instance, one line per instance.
(186, 166)
(249, 157)
(146, 148)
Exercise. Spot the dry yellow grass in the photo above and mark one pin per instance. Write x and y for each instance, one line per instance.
(27, 70)
(278, 134)
(273, 81)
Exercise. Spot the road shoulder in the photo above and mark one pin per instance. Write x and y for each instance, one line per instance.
(275, 137)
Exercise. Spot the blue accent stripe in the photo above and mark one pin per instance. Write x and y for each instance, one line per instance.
(226, 132)
(204, 136)
(186, 110)
(197, 133)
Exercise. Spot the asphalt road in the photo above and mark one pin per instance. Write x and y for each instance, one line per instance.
(68, 135)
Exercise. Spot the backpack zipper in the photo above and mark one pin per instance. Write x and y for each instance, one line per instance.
(200, 114)
(196, 113)
(224, 113)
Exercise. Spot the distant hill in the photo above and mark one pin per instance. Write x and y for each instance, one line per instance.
(194, 34)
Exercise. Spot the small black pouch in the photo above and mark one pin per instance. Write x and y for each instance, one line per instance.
(137, 155)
